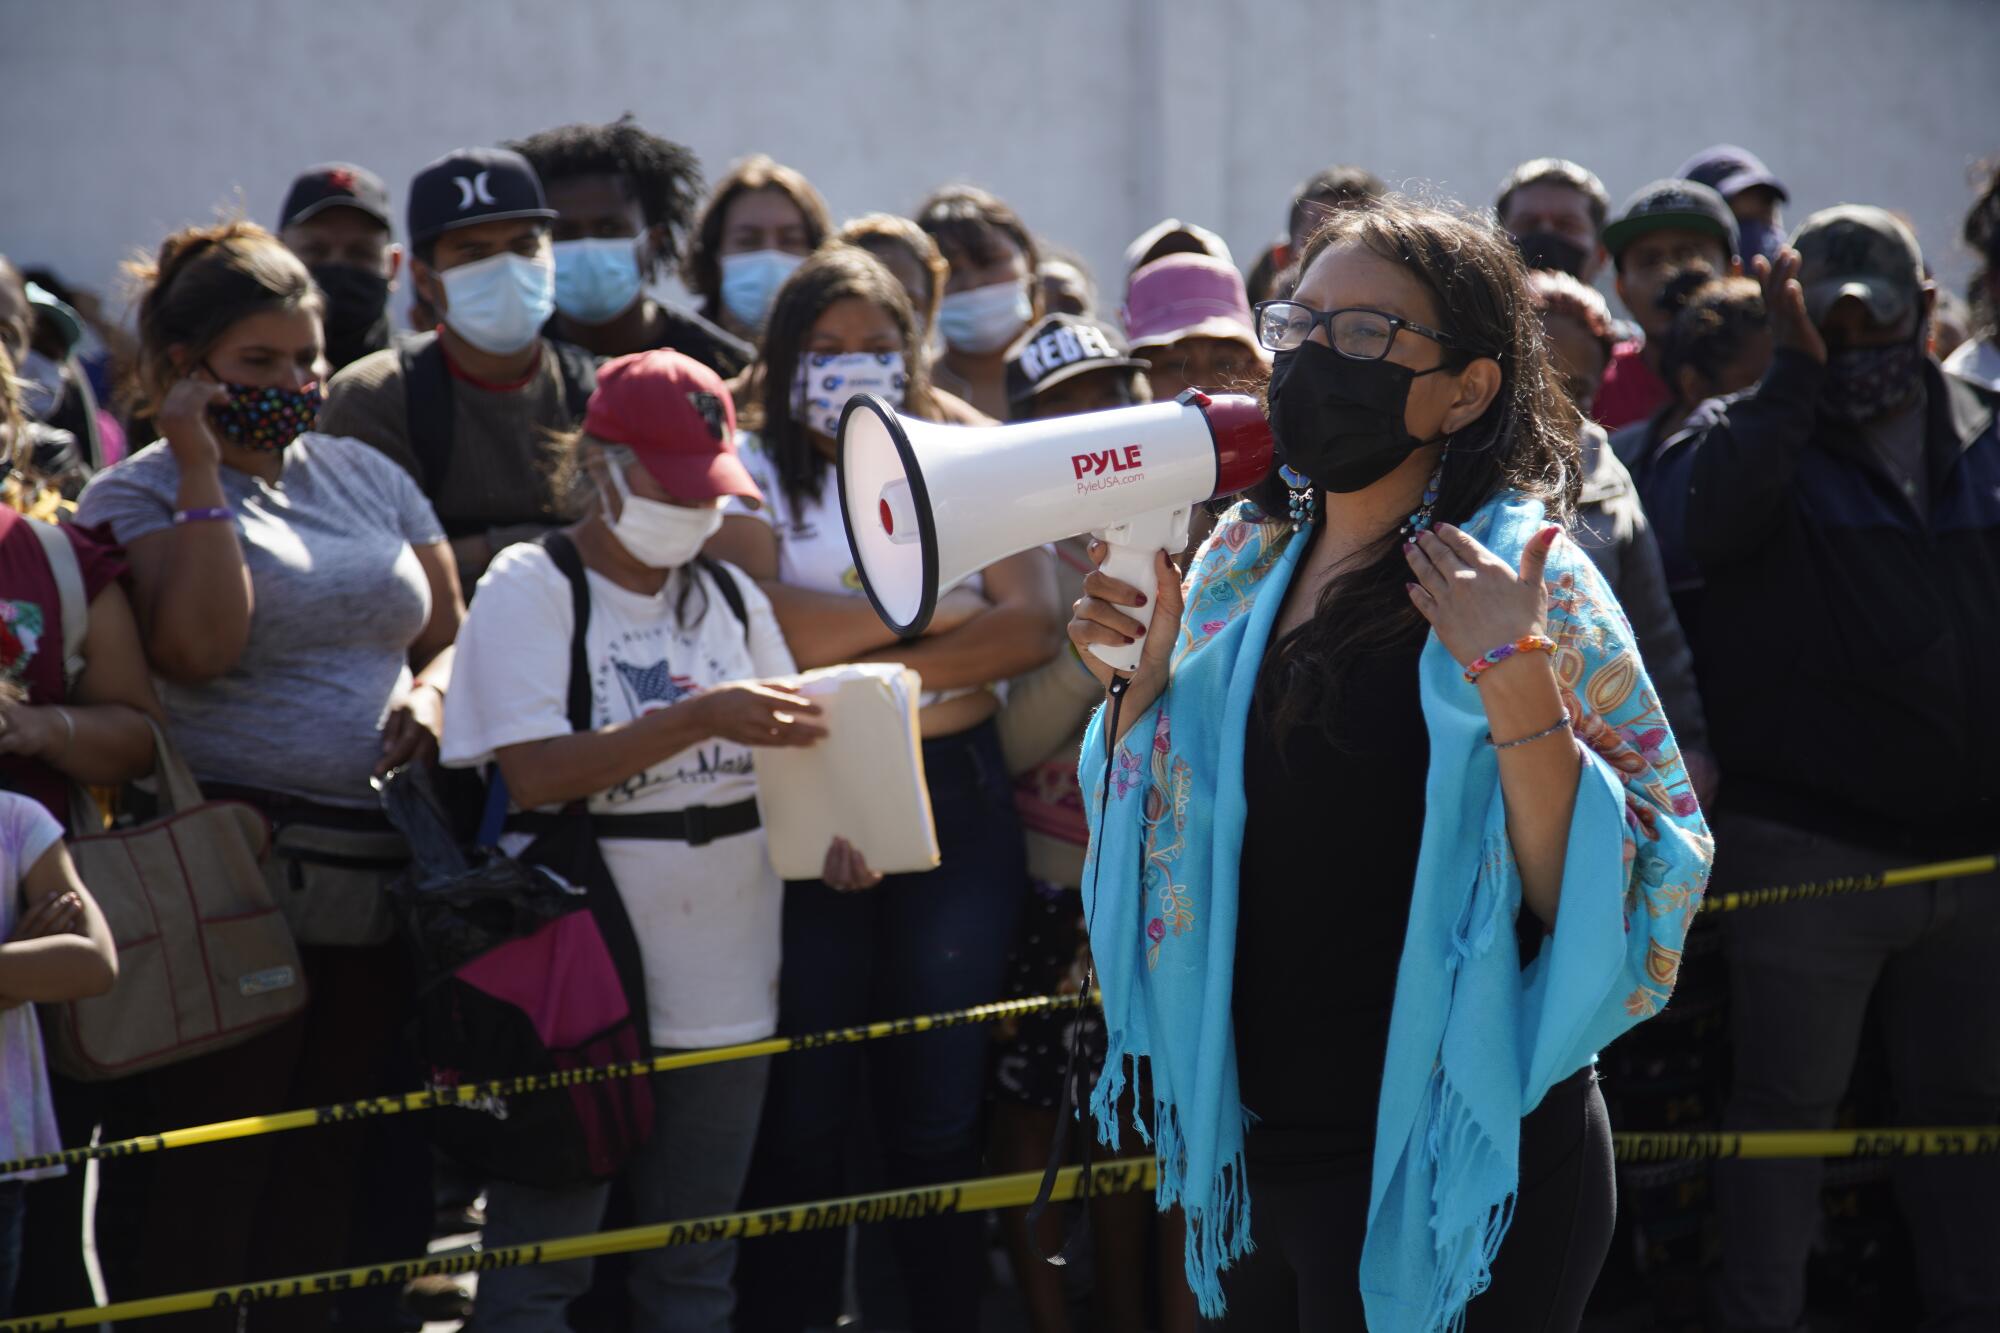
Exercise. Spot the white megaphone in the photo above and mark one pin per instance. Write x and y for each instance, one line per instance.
(929, 505)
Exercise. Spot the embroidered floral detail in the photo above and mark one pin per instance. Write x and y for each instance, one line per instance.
(1166, 809)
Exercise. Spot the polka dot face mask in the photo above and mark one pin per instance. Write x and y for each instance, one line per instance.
(266, 419)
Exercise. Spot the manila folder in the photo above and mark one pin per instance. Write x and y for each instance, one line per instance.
(863, 782)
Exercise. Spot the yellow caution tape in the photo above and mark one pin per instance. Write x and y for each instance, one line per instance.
(1861, 1143)
(1887, 879)
(471, 1094)
(474, 1094)
(1118, 1177)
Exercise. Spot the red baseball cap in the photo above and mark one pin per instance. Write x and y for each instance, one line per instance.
(676, 415)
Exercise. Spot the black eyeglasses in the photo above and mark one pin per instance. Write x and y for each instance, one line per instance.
(1365, 335)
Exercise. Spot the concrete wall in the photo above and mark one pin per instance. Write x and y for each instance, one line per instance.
(126, 118)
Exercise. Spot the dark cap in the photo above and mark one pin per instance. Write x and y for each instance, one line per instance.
(1729, 171)
(1060, 348)
(335, 185)
(1671, 205)
(474, 185)
(1861, 251)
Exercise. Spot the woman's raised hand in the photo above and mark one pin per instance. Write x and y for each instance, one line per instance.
(183, 422)
(1472, 598)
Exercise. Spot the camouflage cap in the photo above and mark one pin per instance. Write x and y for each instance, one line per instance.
(1861, 251)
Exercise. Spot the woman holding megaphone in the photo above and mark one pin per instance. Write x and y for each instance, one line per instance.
(1390, 834)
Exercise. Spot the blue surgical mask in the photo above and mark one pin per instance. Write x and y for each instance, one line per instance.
(597, 279)
(499, 304)
(750, 282)
(985, 319)
(826, 380)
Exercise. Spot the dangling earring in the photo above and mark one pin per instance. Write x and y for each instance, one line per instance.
(1421, 520)
(1301, 496)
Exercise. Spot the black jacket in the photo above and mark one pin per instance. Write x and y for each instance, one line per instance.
(1850, 648)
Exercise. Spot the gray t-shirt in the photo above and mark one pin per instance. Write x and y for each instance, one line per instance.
(339, 597)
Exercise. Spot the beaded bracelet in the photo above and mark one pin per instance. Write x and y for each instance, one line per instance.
(1530, 643)
(1541, 735)
(220, 514)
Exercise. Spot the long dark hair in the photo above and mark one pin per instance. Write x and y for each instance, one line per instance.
(835, 272)
(1525, 441)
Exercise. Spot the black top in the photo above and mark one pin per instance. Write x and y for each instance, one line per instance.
(1329, 863)
(717, 348)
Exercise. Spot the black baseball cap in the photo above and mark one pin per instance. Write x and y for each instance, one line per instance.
(335, 185)
(1729, 171)
(1671, 205)
(474, 185)
(1060, 348)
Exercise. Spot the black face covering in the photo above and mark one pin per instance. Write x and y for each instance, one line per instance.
(1337, 420)
(1553, 251)
(357, 311)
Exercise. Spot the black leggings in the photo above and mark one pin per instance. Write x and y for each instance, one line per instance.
(1304, 1272)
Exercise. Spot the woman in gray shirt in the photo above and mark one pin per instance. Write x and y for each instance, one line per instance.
(297, 599)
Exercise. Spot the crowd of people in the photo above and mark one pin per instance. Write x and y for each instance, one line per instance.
(567, 546)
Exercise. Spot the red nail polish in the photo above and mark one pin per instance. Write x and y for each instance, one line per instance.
(1142, 599)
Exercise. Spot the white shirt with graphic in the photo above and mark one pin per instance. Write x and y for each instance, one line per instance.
(707, 918)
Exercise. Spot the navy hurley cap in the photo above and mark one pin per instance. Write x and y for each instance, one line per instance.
(474, 185)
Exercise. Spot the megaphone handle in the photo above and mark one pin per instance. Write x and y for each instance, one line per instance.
(1133, 565)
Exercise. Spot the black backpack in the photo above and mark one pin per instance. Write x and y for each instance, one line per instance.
(503, 960)
(431, 422)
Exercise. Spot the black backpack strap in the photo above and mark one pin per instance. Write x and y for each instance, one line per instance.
(563, 551)
(579, 378)
(427, 408)
(725, 583)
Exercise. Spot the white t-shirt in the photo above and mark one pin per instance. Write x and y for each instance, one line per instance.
(812, 536)
(707, 918)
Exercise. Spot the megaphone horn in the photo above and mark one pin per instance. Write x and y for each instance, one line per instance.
(928, 505)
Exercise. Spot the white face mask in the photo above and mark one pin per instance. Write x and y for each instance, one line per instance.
(826, 380)
(499, 304)
(658, 535)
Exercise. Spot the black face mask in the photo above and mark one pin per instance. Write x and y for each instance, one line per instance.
(1340, 421)
(1553, 251)
(357, 311)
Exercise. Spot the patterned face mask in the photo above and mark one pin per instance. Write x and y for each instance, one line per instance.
(266, 419)
(826, 380)
(1864, 383)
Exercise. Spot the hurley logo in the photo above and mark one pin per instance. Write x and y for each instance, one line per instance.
(1109, 460)
(471, 188)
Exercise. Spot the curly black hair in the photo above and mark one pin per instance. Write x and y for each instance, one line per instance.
(665, 176)
(1713, 316)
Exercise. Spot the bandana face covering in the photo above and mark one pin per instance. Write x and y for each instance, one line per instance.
(266, 419)
(1864, 383)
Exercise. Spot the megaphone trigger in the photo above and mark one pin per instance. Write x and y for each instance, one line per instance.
(1132, 549)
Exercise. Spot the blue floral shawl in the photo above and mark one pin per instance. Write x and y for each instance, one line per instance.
(1475, 1040)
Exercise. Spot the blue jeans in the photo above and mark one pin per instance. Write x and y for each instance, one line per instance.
(914, 944)
(704, 1124)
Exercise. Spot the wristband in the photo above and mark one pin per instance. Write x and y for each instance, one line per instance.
(223, 514)
(1541, 735)
(1527, 644)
